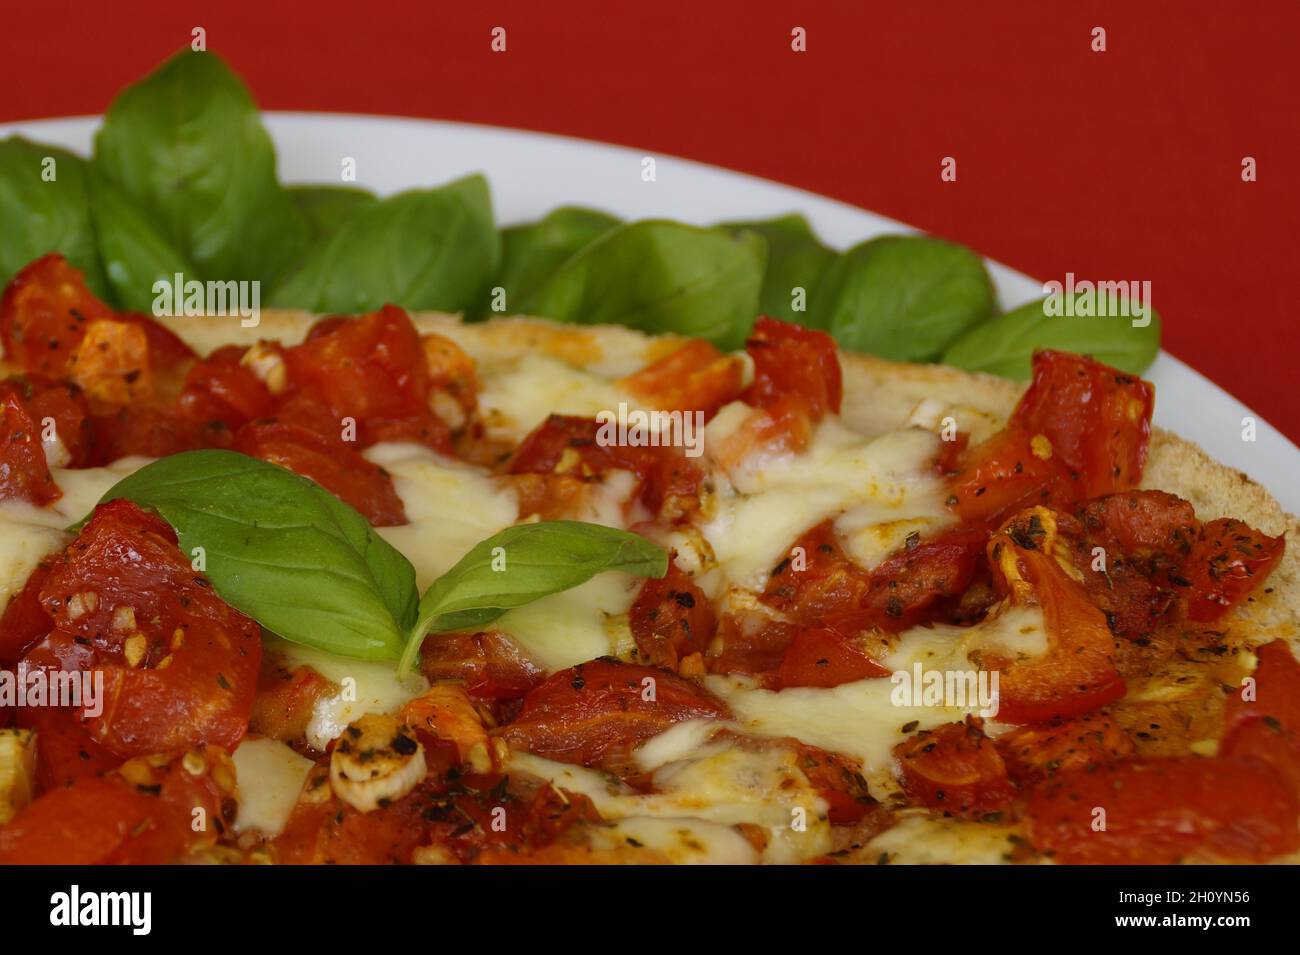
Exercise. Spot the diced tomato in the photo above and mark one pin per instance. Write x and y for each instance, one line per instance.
(1266, 726)
(832, 591)
(66, 750)
(150, 431)
(1077, 674)
(671, 618)
(838, 779)
(1150, 526)
(825, 658)
(491, 665)
(25, 619)
(445, 715)
(754, 644)
(956, 768)
(24, 472)
(179, 665)
(286, 699)
(44, 314)
(1034, 753)
(1163, 811)
(372, 367)
(333, 465)
(1227, 563)
(451, 370)
(791, 361)
(220, 388)
(52, 325)
(151, 811)
(603, 709)
(1080, 431)
(64, 406)
(570, 448)
(696, 377)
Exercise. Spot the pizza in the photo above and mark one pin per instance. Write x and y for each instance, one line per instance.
(904, 613)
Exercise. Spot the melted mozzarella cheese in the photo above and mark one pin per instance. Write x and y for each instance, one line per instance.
(519, 393)
(361, 687)
(722, 783)
(682, 841)
(450, 506)
(767, 501)
(919, 839)
(865, 719)
(576, 625)
(29, 533)
(270, 777)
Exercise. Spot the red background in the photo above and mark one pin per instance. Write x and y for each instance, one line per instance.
(1120, 165)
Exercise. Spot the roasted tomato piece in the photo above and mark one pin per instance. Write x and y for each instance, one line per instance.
(179, 665)
(825, 658)
(368, 367)
(603, 709)
(1164, 811)
(44, 314)
(671, 618)
(956, 768)
(333, 465)
(1080, 431)
(570, 448)
(61, 412)
(151, 811)
(24, 471)
(1226, 564)
(150, 431)
(223, 388)
(52, 325)
(490, 664)
(1077, 674)
(1264, 723)
(1033, 753)
(839, 780)
(1152, 527)
(791, 361)
(754, 644)
(1097, 419)
(286, 698)
(833, 591)
(696, 377)
(25, 619)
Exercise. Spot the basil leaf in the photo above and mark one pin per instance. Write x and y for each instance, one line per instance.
(134, 252)
(903, 297)
(328, 207)
(538, 560)
(795, 259)
(426, 248)
(187, 144)
(659, 276)
(42, 216)
(1006, 345)
(283, 550)
(530, 253)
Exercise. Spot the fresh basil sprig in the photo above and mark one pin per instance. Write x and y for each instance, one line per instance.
(309, 568)
(425, 248)
(187, 144)
(659, 276)
(43, 208)
(521, 564)
(283, 550)
(1005, 345)
(795, 259)
(903, 297)
(531, 252)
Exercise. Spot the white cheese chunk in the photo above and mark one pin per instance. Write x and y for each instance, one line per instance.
(270, 776)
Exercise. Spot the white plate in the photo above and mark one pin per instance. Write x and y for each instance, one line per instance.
(531, 173)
